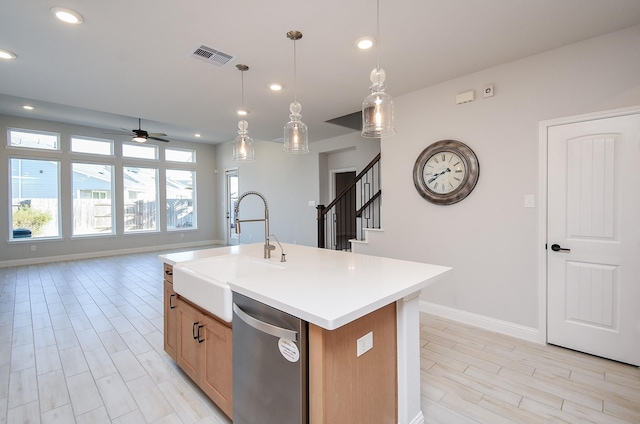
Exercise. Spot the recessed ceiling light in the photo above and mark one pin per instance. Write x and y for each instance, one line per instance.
(28, 107)
(197, 135)
(275, 86)
(243, 112)
(6, 54)
(365, 43)
(67, 15)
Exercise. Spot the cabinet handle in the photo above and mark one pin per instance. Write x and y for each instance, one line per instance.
(193, 330)
(200, 340)
(171, 305)
(168, 272)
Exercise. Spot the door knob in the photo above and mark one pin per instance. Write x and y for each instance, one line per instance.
(557, 248)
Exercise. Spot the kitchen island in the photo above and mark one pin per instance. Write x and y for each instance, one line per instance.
(343, 296)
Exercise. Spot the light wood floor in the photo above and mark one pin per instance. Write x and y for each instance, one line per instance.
(470, 375)
(81, 341)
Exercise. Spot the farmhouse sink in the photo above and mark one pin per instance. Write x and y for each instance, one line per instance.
(205, 281)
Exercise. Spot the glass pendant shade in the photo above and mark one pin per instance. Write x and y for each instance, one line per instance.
(296, 134)
(377, 108)
(243, 150)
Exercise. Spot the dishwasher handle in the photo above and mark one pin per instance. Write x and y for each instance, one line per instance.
(265, 327)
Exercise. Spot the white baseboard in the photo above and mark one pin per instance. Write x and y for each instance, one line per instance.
(89, 255)
(418, 419)
(487, 323)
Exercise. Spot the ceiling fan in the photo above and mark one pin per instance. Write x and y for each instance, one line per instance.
(140, 135)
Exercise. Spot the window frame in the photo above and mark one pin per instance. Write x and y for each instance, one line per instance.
(156, 157)
(194, 199)
(157, 228)
(97, 155)
(10, 197)
(29, 148)
(192, 151)
(114, 216)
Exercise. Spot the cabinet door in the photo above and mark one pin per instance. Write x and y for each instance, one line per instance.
(170, 320)
(188, 347)
(217, 378)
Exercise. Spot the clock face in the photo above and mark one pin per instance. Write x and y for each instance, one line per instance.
(446, 172)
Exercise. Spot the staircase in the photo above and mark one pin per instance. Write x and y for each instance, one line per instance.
(354, 209)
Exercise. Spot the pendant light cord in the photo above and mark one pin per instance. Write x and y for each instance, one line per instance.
(295, 78)
(378, 33)
(242, 90)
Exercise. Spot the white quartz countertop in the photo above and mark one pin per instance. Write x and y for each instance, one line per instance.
(324, 287)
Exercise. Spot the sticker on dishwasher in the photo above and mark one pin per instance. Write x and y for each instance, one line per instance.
(289, 350)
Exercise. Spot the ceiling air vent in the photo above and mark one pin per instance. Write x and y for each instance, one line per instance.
(211, 55)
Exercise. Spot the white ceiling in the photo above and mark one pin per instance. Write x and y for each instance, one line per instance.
(132, 59)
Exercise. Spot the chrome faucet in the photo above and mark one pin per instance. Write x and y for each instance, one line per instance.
(267, 247)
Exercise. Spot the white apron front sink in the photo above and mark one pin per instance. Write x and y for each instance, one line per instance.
(204, 282)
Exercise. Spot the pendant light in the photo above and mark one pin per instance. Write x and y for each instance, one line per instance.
(377, 107)
(243, 144)
(296, 134)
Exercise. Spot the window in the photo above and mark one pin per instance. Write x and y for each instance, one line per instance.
(180, 155)
(93, 146)
(35, 198)
(34, 139)
(180, 199)
(92, 185)
(139, 151)
(140, 199)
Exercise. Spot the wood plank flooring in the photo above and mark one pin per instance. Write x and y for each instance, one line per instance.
(471, 375)
(81, 342)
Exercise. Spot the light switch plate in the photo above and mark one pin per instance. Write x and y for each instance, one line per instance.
(364, 344)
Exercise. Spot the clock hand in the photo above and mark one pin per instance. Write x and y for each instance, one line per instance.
(435, 177)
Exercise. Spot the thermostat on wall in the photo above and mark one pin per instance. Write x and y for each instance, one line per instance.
(466, 97)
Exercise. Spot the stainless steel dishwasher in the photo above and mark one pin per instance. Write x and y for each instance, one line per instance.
(269, 365)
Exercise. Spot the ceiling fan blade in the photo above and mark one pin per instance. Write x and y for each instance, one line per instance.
(157, 135)
(158, 139)
(119, 133)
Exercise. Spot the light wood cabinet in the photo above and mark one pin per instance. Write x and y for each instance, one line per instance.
(346, 388)
(217, 371)
(204, 352)
(343, 388)
(170, 319)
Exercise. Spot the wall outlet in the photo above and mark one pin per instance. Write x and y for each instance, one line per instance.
(364, 344)
(33, 247)
(312, 203)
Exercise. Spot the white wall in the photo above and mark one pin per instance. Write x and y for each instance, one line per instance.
(489, 238)
(16, 252)
(288, 182)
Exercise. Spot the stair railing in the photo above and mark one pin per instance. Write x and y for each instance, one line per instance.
(354, 209)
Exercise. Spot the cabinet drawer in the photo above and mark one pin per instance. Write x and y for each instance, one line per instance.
(168, 273)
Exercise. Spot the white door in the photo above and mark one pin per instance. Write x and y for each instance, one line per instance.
(232, 195)
(594, 213)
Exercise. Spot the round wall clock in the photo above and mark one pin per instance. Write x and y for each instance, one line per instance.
(446, 172)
